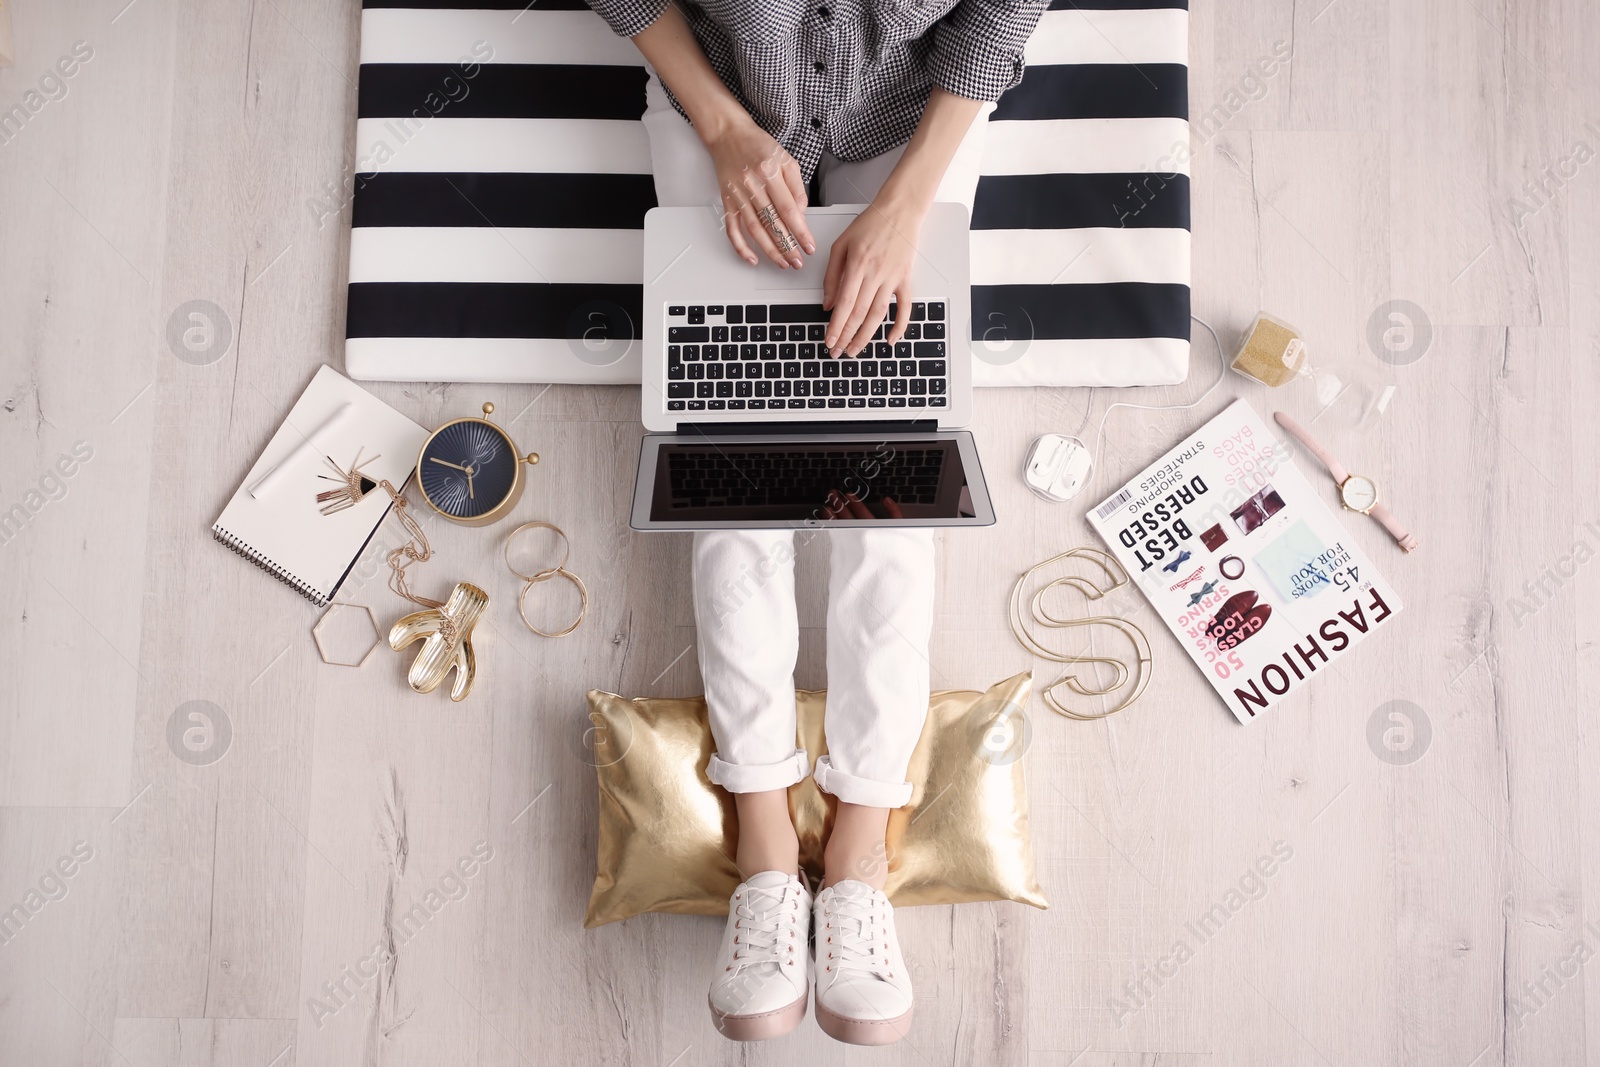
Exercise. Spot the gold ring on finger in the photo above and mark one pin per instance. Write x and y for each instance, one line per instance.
(768, 216)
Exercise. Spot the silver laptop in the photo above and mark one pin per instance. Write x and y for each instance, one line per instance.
(755, 426)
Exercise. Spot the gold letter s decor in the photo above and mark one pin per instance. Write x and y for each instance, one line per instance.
(1116, 578)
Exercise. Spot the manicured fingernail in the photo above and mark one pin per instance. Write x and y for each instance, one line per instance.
(797, 262)
(810, 246)
(750, 260)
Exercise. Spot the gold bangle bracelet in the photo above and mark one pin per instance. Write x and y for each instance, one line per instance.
(566, 553)
(583, 593)
(559, 570)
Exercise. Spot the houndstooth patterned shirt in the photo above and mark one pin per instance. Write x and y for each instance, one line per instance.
(848, 76)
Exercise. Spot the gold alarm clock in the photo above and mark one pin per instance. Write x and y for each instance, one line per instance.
(470, 471)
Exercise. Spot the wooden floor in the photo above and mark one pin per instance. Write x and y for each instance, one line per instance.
(1431, 913)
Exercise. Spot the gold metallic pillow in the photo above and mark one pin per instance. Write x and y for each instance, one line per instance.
(667, 835)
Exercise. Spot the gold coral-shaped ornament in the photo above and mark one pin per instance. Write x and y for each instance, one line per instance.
(446, 632)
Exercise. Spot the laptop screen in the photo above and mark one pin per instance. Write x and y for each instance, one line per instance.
(795, 481)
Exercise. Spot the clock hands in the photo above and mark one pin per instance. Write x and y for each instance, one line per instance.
(468, 471)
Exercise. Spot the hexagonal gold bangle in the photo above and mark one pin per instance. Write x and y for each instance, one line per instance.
(559, 570)
(316, 634)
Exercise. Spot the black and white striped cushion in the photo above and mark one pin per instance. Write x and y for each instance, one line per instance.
(497, 207)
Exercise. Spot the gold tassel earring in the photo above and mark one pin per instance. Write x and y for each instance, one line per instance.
(353, 485)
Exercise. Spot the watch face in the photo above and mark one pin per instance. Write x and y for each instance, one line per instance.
(1359, 493)
(467, 469)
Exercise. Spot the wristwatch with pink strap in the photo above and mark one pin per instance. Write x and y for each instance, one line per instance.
(1356, 491)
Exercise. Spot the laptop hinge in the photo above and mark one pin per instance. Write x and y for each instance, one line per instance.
(798, 429)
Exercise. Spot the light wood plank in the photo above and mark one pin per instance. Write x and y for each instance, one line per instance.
(1380, 162)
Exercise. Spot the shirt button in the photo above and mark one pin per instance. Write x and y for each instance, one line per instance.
(824, 12)
(820, 67)
(816, 123)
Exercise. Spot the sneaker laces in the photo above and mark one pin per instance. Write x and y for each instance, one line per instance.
(859, 938)
(765, 926)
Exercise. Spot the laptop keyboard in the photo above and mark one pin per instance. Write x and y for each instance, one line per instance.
(771, 357)
(764, 478)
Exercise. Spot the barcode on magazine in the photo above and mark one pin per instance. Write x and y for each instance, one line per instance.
(1113, 504)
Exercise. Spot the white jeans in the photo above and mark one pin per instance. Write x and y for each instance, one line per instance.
(880, 586)
(880, 615)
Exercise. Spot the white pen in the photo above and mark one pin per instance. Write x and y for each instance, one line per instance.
(308, 443)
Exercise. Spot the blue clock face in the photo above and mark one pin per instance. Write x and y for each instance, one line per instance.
(467, 469)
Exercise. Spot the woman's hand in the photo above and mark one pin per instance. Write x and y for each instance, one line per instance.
(763, 195)
(871, 262)
(868, 267)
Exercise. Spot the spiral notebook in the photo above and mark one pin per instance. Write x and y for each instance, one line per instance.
(274, 519)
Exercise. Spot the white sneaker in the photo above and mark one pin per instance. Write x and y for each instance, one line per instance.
(863, 990)
(763, 982)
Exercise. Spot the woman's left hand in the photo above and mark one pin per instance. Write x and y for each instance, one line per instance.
(868, 267)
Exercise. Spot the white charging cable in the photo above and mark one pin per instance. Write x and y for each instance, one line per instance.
(1222, 372)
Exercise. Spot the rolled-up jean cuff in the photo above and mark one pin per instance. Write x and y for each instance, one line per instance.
(749, 778)
(866, 792)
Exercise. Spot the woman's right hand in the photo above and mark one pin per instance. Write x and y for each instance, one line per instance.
(763, 195)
